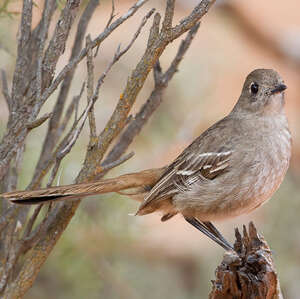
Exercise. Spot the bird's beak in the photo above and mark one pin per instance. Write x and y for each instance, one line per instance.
(279, 88)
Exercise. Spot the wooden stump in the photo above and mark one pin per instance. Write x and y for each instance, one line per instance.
(249, 272)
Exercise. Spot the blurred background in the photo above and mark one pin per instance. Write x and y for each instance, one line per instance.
(106, 252)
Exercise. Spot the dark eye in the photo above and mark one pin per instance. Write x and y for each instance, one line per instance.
(254, 88)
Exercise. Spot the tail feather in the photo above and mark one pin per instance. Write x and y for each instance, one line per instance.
(124, 182)
(39, 200)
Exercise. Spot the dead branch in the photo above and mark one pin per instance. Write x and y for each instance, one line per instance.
(249, 272)
(5, 91)
(161, 81)
(53, 129)
(38, 122)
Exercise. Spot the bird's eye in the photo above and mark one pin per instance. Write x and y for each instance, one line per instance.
(254, 88)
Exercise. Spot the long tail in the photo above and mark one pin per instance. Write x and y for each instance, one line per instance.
(141, 180)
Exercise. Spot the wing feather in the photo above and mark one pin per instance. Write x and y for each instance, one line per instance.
(185, 171)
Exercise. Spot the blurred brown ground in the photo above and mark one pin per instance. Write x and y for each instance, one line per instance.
(107, 254)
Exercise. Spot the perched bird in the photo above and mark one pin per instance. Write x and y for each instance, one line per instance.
(230, 169)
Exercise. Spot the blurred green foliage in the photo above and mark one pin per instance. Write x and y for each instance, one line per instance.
(5, 11)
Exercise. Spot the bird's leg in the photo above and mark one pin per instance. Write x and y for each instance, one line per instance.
(210, 231)
(215, 231)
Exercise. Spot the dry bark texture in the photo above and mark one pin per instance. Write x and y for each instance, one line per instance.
(248, 273)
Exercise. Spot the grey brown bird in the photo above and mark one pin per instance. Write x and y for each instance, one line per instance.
(230, 169)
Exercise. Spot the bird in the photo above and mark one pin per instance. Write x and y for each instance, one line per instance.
(232, 168)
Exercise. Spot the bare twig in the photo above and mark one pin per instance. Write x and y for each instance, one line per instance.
(169, 13)
(111, 17)
(117, 162)
(90, 89)
(45, 22)
(26, 92)
(16, 168)
(66, 145)
(98, 40)
(22, 63)
(31, 238)
(57, 43)
(54, 130)
(38, 122)
(188, 22)
(32, 220)
(55, 170)
(118, 54)
(5, 91)
(152, 103)
(75, 133)
(60, 150)
(156, 45)
(73, 106)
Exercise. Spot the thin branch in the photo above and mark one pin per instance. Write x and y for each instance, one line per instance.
(38, 122)
(90, 89)
(22, 63)
(117, 162)
(73, 106)
(119, 117)
(58, 41)
(71, 138)
(169, 13)
(44, 26)
(111, 17)
(75, 134)
(152, 103)
(55, 170)
(188, 22)
(32, 220)
(184, 45)
(33, 236)
(118, 54)
(25, 93)
(15, 168)
(5, 91)
(57, 152)
(98, 40)
(54, 129)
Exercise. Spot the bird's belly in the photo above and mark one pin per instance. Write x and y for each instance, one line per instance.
(218, 204)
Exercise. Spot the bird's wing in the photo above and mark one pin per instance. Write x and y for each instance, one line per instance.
(187, 169)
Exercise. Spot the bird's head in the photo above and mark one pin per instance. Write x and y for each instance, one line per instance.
(262, 93)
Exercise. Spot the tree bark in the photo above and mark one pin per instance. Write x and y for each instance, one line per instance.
(249, 272)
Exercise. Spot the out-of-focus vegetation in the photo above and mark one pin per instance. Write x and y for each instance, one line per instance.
(5, 11)
(105, 252)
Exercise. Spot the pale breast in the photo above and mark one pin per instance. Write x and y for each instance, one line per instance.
(274, 165)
